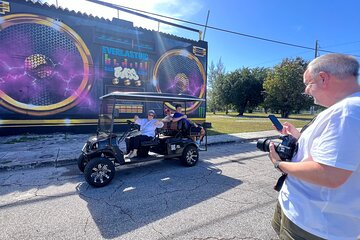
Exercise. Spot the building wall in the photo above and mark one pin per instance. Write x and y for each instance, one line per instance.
(55, 64)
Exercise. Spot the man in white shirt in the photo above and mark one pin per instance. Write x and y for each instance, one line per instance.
(320, 198)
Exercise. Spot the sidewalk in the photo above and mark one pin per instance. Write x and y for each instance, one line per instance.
(29, 151)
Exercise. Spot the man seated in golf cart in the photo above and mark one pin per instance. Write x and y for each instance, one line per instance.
(183, 122)
(168, 116)
(170, 128)
(147, 132)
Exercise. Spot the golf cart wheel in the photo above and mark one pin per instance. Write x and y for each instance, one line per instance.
(82, 161)
(99, 172)
(190, 156)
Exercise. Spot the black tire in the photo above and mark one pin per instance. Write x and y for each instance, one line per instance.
(99, 172)
(82, 161)
(190, 156)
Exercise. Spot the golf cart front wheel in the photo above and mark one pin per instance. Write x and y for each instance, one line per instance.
(99, 172)
(190, 156)
(82, 161)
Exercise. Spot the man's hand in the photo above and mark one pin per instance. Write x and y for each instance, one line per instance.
(289, 129)
(273, 155)
(136, 117)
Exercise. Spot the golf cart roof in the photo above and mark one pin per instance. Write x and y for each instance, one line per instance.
(151, 96)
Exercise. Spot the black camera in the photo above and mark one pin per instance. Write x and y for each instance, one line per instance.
(286, 149)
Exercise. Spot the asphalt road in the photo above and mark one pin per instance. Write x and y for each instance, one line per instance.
(227, 195)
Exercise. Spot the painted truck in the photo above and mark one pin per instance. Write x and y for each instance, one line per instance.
(56, 63)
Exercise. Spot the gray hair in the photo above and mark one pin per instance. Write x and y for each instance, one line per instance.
(336, 64)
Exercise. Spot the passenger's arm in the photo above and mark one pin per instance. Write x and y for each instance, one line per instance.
(138, 120)
(179, 118)
(167, 119)
(159, 124)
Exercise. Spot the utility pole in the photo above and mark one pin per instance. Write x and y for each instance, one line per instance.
(207, 19)
(316, 48)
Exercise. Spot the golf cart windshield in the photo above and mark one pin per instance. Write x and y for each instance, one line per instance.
(105, 122)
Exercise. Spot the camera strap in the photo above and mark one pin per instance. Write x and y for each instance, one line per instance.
(307, 125)
(280, 182)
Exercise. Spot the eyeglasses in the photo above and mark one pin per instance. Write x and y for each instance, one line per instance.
(313, 82)
(151, 115)
(309, 84)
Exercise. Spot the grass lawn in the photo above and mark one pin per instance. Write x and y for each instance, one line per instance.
(250, 122)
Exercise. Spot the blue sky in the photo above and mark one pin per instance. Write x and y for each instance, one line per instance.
(333, 23)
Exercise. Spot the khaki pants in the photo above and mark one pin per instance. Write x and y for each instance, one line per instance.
(287, 230)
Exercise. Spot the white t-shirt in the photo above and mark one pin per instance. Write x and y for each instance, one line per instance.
(334, 140)
(147, 127)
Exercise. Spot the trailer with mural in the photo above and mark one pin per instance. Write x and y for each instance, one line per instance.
(56, 63)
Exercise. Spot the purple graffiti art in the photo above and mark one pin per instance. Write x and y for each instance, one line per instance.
(40, 66)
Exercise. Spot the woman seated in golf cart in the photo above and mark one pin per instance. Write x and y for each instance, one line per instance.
(147, 132)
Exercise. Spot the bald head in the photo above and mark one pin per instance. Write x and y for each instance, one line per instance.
(339, 65)
(331, 77)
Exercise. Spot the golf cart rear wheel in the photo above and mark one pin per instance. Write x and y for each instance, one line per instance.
(99, 172)
(190, 156)
(82, 161)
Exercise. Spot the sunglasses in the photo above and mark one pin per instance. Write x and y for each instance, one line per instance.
(151, 115)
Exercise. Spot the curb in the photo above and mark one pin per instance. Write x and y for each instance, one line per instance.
(33, 165)
(67, 162)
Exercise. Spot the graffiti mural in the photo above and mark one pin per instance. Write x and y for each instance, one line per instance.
(130, 68)
(55, 64)
(37, 79)
(180, 72)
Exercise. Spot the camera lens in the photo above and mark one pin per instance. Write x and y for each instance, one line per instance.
(263, 144)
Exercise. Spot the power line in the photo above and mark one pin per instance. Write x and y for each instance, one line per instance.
(207, 26)
(140, 15)
(219, 29)
(342, 44)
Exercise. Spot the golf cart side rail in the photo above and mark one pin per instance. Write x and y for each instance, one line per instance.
(151, 96)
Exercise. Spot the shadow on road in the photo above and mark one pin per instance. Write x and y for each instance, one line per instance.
(148, 192)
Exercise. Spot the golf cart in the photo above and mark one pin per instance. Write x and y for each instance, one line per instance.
(103, 151)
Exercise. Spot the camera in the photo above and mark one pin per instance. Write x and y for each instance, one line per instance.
(286, 149)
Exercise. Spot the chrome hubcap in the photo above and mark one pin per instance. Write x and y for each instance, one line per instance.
(191, 156)
(100, 173)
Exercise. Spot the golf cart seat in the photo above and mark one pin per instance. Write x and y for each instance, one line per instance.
(169, 129)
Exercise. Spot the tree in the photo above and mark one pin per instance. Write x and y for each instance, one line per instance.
(215, 74)
(284, 87)
(256, 94)
(244, 88)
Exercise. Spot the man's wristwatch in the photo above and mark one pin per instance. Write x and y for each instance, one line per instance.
(277, 165)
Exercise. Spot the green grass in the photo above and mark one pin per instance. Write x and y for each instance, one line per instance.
(250, 122)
